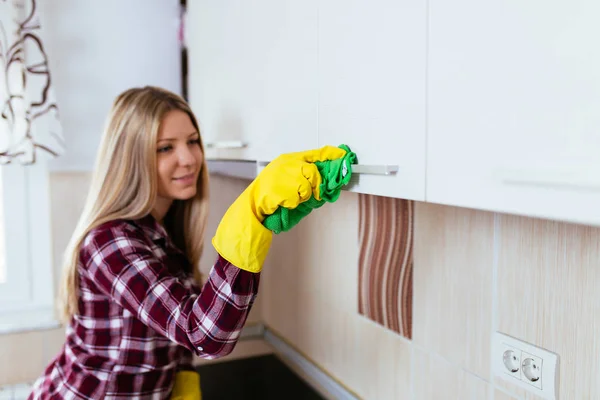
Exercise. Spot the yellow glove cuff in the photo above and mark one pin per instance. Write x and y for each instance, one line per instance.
(241, 239)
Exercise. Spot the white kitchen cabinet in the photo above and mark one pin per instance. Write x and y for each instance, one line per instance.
(514, 107)
(372, 65)
(253, 76)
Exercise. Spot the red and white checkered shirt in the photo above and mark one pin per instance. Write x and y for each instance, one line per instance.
(141, 316)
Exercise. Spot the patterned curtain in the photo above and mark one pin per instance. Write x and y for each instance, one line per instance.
(29, 119)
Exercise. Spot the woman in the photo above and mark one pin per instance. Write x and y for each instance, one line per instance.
(131, 293)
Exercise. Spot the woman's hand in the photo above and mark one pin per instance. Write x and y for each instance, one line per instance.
(287, 181)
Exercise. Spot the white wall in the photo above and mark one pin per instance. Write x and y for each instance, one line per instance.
(98, 49)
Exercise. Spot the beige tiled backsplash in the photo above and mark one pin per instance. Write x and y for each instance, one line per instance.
(500, 395)
(453, 284)
(474, 272)
(556, 303)
(436, 378)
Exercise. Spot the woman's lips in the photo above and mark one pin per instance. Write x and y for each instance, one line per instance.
(186, 179)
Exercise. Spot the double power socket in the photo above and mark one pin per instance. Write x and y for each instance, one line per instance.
(525, 365)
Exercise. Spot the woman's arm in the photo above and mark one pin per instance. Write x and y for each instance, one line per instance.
(208, 323)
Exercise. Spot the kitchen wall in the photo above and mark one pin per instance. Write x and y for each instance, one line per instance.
(474, 273)
(97, 50)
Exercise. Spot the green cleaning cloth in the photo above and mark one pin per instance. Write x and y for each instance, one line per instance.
(334, 174)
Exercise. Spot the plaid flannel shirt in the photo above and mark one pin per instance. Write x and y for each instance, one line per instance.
(141, 317)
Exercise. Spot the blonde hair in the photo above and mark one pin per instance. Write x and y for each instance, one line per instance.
(124, 183)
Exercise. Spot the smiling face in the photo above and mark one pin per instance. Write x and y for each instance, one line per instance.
(179, 160)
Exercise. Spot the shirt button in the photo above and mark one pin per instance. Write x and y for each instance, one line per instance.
(200, 348)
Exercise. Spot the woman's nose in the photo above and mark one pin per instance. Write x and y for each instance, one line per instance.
(186, 157)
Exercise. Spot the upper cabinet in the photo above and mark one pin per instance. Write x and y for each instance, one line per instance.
(371, 88)
(514, 107)
(253, 76)
(487, 105)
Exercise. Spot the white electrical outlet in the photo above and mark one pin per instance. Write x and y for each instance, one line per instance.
(525, 365)
(511, 357)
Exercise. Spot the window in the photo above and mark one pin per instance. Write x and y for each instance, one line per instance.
(30, 130)
(26, 284)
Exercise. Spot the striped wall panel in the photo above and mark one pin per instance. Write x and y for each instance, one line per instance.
(386, 261)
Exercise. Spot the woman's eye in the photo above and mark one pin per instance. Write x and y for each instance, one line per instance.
(164, 149)
(194, 141)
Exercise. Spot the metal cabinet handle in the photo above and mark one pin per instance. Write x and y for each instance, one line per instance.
(364, 169)
(226, 144)
(374, 169)
(584, 180)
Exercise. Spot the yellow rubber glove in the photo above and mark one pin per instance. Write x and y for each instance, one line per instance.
(187, 386)
(287, 181)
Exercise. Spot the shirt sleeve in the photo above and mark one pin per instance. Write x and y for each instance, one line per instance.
(207, 323)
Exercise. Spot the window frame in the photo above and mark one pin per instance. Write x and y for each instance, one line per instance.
(27, 296)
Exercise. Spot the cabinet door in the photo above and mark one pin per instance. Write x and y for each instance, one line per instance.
(372, 88)
(514, 107)
(252, 75)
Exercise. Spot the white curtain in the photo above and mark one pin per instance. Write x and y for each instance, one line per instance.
(29, 119)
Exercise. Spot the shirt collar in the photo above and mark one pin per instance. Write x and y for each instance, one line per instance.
(150, 226)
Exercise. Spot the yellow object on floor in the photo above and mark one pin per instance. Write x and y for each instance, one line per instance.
(187, 386)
